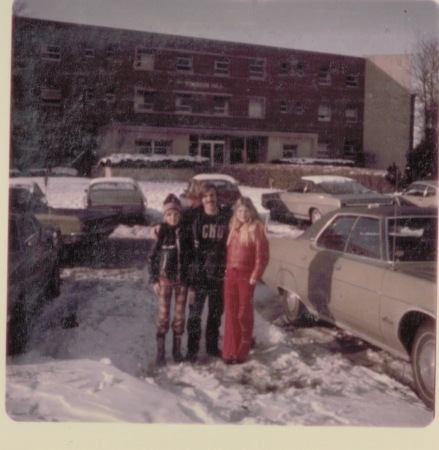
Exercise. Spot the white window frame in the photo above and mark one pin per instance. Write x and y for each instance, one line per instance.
(184, 63)
(256, 107)
(51, 52)
(183, 103)
(144, 100)
(220, 105)
(325, 78)
(352, 79)
(324, 113)
(89, 51)
(51, 97)
(256, 68)
(351, 114)
(283, 106)
(144, 59)
(222, 66)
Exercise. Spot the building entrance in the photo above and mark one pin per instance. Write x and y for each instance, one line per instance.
(214, 150)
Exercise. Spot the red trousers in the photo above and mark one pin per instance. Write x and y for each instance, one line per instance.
(238, 315)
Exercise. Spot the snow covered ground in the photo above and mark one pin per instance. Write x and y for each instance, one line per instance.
(315, 386)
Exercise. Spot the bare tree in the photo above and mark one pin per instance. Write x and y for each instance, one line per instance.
(425, 76)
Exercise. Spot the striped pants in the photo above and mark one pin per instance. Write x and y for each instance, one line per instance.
(167, 288)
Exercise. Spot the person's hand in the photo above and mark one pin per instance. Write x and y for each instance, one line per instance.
(253, 282)
(157, 288)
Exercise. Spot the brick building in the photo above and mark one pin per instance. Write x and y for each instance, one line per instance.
(149, 93)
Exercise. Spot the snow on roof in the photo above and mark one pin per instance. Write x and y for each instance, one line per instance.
(327, 179)
(215, 176)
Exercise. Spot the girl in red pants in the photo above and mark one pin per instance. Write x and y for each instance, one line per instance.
(247, 257)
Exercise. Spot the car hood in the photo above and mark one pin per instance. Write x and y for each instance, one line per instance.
(424, 270)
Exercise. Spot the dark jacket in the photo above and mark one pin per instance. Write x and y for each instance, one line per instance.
(173, 254)
(210, 238)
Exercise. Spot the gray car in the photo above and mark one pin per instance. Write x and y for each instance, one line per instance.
(372, 272)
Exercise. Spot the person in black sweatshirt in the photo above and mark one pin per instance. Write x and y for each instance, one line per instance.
(209, 229)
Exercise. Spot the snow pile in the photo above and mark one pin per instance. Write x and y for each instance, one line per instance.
(103, 369)
(138, 160)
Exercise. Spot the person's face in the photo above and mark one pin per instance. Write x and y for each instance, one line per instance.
(172, 217)
(243, 214)
(210, 202)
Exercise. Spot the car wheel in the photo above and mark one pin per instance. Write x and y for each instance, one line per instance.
(54, 287)
(423, 362)
(315, 215)
(17, 330)
(293, 307)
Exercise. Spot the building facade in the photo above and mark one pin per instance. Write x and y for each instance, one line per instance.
(125, 91)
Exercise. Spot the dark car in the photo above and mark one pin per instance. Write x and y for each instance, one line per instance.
(372, 272)
(226, 185)
(33, 273)
(76, 225)
(121, 195)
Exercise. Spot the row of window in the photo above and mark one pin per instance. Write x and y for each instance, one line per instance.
(349, 150)
(144, 59)
(144, 101)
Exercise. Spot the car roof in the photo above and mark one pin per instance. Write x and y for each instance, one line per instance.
(389, 210)
(214, 176)
(433, 183)
(112, 180)
(328, 178)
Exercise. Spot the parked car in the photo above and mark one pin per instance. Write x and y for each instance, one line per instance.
(33, 273)
(76, 225)
(313, 196)
(372, 272)
(227, 188)
(422, 193)
(122, 195)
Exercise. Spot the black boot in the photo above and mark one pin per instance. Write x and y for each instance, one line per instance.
(160, 359)
(176, 348)
(193, 345)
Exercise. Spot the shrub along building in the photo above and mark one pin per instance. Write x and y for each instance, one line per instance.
(123, 91)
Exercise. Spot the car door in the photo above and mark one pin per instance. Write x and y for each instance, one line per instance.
(297, 199)
(357, 279)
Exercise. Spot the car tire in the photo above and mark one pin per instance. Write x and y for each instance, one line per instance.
(315, 215)
(294, 309)
(423, 362)
(54, 286)
(17, 330)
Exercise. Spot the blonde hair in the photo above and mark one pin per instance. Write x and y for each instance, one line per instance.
(248, 229)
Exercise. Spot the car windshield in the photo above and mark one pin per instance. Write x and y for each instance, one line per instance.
(343, 187)
(412, 238)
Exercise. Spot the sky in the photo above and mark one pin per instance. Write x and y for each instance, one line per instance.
(350, 27)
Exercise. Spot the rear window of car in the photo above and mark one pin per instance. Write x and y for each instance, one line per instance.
(412, 239)
(114, 187)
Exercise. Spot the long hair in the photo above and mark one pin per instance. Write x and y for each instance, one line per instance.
(247, 233)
